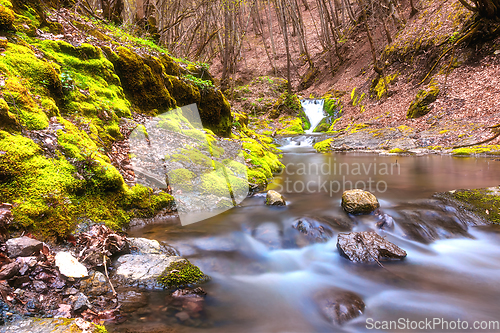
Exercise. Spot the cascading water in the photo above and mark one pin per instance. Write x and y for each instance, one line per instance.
(313, 108)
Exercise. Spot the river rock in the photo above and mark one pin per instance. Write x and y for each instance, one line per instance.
(144, 245)
(339, 306)
(141, 269)
(273, 198)
(9, 270)
(96, 284)
(80, 302)
(69, 266)
(367, 246)
(23, 247)
(359, 202)
(131, 300)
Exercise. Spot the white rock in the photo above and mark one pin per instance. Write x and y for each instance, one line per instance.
(69, 266)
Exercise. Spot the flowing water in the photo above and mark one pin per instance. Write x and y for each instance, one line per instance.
(313, 108)
(264, 280)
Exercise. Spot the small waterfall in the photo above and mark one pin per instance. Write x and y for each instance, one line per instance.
(313, 108)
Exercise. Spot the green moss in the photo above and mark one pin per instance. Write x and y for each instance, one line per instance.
(379, 86)
(398, 151)
(420, 105)
(6, 18)
(290, 126)
(180, 274)
(286, 104)
(488, 149)
(263, 159)
(483, 202)
(323, 146)
(181, 179)
(142, 83)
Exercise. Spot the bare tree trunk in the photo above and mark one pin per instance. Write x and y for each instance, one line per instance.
(285, 35)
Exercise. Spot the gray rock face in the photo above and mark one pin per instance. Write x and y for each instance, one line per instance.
(359, 202)
(141, 270)
(367, 246)
(339, 306)
(273, 198)
(23, 247)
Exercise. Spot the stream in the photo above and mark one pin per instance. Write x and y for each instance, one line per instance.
(264, 279)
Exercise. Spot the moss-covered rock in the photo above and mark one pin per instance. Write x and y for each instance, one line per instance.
(7, 119)
(181, 273)
(215, 112)
(484, 202)
(420, 105)
(6, 18)
(184, 93)
(323, 146)
(143, 87)
(323, 125)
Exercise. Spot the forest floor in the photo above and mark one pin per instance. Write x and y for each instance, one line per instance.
(468, 101)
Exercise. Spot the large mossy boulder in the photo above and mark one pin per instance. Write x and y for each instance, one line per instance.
(359, 202)
(183, 92)
(142, 83)
(420, 105)
(215, 111)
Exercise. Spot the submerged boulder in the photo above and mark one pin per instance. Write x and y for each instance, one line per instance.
(273, 198)
(339, 306)
(359, 202)
(313, 230)
(367, 246)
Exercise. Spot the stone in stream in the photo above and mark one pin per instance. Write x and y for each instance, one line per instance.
(359, 202)
(69, 266)
(23, 247)
(313, 230)
(367, 246)
(96, 284)
(339, 306)
(144, 245)
(273, 198)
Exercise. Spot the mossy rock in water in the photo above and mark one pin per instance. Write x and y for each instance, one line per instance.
(181, 273)
(420, 105)
(215, 112)
(483, 202)
(144, 87)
